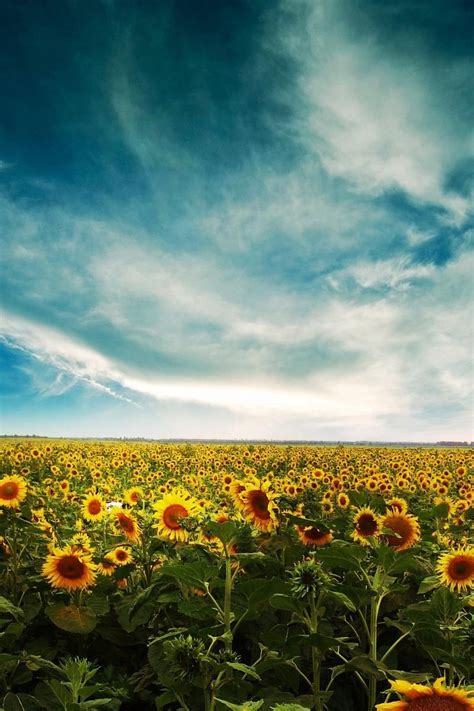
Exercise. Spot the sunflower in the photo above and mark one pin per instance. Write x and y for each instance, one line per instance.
(64, 486)
(12, 491)
(127, 524)
(119, 556)
(106, 567)
(398, 504)
(171, 511)
(237, 488)
(94, 508)
(69, 568)
(259, 508)
(426, 698)
(456, 569)
(82, 542)
(343, 500)
(313, 536)
(406, 528)
(134, 495)
(367, 524)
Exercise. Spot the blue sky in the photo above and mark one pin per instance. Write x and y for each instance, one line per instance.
(237, 219)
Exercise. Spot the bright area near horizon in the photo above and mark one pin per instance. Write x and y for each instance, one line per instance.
(237, 220)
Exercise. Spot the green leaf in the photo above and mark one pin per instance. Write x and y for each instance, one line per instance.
(225, 532)
(323, 643)
(429, 583)
(244, 669)
(445, 605)
(12, 632)
(365, 664)
(440, 511)
(357, 498)
(98, 603)
(341, 555)
(193, 575)
(93, 703)
(35, 662)
(72, 618)
(10, 609)
(247, 706)
(46, 698)
(409, 676)
(19, 702)
(140, 600)
(285, 602)
(164, 699)
(60, 691)
(142, 615)
(171, 633)
(31, 605)
(341, 599)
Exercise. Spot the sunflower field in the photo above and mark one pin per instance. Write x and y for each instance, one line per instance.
(212, 577)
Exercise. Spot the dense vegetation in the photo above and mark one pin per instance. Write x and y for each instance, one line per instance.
(149, 576)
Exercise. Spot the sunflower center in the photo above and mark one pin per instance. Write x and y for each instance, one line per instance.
(172, 516)
(314, 533)
(401, 527)
(94, 507)
(126, 523)
(71, 567)
(460, 568)
(9, 490)
(435, 703)
(121, 555)
(367, 525)
(259, 503)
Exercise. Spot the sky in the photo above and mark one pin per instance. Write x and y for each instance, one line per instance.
(237, 219)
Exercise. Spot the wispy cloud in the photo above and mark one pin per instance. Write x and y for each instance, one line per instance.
(379, 118)
(277, 234)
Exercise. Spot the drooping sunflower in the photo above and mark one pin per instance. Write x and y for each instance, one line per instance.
(127, 524)
(367, 524)
(94, 508)
(259, 507)
(405, 527)
(313, 536)
(69, 569)
(12, 491)
(170, 512)
(456, 569)
(427, 698)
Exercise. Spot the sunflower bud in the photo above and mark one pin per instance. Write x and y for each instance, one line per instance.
(308, 578)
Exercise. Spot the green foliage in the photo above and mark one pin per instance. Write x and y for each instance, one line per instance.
(237, 616)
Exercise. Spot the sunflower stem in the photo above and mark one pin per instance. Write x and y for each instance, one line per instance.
(227, 605)
(395, 644)
(315, 656)
(374, 613)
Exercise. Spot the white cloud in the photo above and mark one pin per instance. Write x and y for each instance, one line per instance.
(396, 273)
(355, 394)
(415, 236)
(375, 118)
